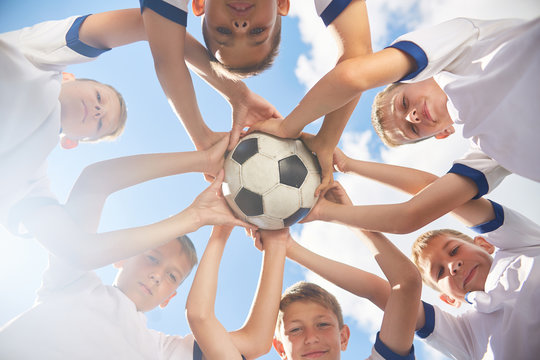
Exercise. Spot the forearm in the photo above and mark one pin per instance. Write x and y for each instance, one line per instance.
(334, 124)
(111, 29)
(354, 280)
(255, 338)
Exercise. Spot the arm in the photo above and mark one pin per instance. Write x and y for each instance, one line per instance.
(412, 181)
(255, 337)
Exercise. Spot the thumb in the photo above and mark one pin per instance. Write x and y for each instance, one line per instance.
(218, 180)
(235, 136)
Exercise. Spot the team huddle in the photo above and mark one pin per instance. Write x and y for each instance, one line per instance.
(483, 75)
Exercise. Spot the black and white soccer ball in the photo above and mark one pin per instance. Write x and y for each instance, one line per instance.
(270, 182)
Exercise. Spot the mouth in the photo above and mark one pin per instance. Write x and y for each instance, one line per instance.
(470, 276)
(240, 8)
(85, 111)
(145, 288)
(314, 354)
(427, 115)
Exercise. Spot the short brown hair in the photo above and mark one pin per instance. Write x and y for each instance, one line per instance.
(306, 291)
(122, 119)
(239, 73)
(423, 241)
(189, 249)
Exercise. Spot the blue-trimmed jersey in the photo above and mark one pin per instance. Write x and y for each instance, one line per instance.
(174, 10)
(328, 10)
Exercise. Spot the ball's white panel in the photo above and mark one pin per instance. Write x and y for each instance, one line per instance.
(230, 200)
(307, 190)
(260, 173)
(232, 175)
(266, 222)
(307, 157)
(274, 147)
(281, 202)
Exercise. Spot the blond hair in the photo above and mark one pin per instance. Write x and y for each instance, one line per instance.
(189, 250)
(424, 240)
(308, 292)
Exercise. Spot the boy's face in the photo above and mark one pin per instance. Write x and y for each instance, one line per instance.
(457, 266)
(240, 33)
(90, 110)
(417, 111)
(151, 278)
(311, 331)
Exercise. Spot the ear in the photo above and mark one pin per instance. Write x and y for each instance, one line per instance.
(445, 133)
(67, 76)
(484, 244)
(67, 143)
(198, 7)
(283, 7)
(166, 302)
(278, 345)
(344, 335)
(450, 300)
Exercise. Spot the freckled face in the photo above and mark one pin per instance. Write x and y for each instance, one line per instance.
(90, 110)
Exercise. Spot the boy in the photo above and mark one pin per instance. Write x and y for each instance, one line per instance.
(474, 73)
(503, 290)
(214, 341)
(92, 320)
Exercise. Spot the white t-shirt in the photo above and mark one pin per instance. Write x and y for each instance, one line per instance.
(328, 10)
(75, 316)
(381, 352)
(31, 63)
(174, 10)
(505, 322)
(490, 72)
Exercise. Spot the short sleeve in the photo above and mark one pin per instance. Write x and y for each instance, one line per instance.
(516, 231)
(329, 10)
(483, 170)
(174, 10)
(174, 347)
(382, 352)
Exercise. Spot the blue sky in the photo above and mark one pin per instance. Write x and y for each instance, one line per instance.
(152, 127)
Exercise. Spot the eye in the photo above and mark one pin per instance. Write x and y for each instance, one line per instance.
(257, 31)
(100, 124)
(414, 129)
(172, 277)
(295, 331)
(98, 95)
(440, 273)
(324, 325)
(223, 30)
(152, 259)
(454, 251)
(404, 103)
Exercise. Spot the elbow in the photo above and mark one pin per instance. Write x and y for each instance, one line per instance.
(410, 281)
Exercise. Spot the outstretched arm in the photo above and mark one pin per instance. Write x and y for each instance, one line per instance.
(255, 337)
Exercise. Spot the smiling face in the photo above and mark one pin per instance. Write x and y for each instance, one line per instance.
(151, 278)
(456, 266)
(90, 110)
(310, 331)
(416, 111)
(240, 33)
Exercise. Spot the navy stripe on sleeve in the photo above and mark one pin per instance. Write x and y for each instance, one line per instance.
(166, 10)
(475, 175)
(416, 52)
(493, 224)
(388, 354)
(429, 314)
(75, 44)
(333, 10)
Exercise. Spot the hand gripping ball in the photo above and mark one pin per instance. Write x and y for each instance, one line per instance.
(270, 182)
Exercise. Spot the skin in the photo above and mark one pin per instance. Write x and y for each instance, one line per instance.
(418, 111)
(456, 266)
(311, 331)
(151, 279)
(90, 110)
(240, 32)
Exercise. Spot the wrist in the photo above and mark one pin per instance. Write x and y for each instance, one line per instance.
(192, 218)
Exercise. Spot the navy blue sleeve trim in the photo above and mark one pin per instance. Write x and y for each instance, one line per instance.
(197, 352)
(417, 54)
(166, 10)
(333, 10)
(493, 224)
(75, 44)
(429, 325)
(388, 354)
(475, 175)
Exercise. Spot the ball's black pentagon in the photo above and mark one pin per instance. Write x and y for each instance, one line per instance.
(249, 202)
(297, 216)
(292, 171)
(245, 149)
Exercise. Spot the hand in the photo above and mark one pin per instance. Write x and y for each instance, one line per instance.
(215, 156)
(324, 154)
(270, 126)
(211, 139)
(248, 111)
(340, 160)
(266, 238)
(335, 194)
(212, 209)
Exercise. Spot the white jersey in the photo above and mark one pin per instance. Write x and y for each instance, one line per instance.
(31, 64)
(328, 10)
(174, 10)
(489, 71)
(505, 322)
(381, 352)
(75, 316)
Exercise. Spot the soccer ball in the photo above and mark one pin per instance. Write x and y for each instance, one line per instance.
(270, 182)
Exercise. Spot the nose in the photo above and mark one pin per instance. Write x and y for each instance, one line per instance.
(240, 25)
(412, 117)
(311, 336)
(454, 266)
(155, 277)
(99, 111)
